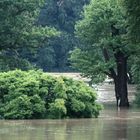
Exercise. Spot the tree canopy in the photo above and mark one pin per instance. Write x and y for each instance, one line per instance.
(106, 49)
(101, 29)
(61, 14)
(133, 12)
(18, 26)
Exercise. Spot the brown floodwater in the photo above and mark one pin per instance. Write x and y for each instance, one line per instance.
(112, 124)
(106, 93)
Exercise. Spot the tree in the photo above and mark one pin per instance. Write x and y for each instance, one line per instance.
(105, 48)
(53, 55)
(61, 14)
(18, 25)
(133, 13)
(10, 61)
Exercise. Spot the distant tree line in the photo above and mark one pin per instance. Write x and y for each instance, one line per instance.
(20, 33)
(49, 54)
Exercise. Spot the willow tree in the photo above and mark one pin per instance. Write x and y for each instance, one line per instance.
(105, 50)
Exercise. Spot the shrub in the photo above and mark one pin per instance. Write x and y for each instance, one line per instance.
(57, 109)
(18, 108)
(34, 94)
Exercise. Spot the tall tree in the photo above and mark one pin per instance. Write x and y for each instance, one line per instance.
(61, 14)
(133, 13)
(18, 26)
(105, 50)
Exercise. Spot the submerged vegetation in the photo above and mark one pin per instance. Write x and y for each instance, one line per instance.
(34, 94)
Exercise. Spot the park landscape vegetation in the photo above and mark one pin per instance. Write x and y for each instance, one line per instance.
(52, 34)
(35, 95)
(108, 48)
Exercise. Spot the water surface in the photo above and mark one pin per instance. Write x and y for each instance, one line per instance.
(112, 124)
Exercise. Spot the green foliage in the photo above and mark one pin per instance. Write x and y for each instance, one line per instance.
(34, 94)
(133, 21)
(103, 34)
(62, 15)
(133, 12)
(57, 109)
(9, 61)
(80, 100)
(18, 108)
(17, 24)
(90, 64)
(19, 29)
(136, 76)
(45, 58)
(31, 24)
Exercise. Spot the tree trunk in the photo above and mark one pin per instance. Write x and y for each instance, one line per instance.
(121, 80)
(120, 77)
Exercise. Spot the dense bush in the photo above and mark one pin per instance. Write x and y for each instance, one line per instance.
(34, 94)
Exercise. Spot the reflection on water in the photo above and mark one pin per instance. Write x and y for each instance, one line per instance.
(106, 93)
(112, 124)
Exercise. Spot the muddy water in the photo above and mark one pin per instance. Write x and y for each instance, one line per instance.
(106, 93)
(112, 124)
